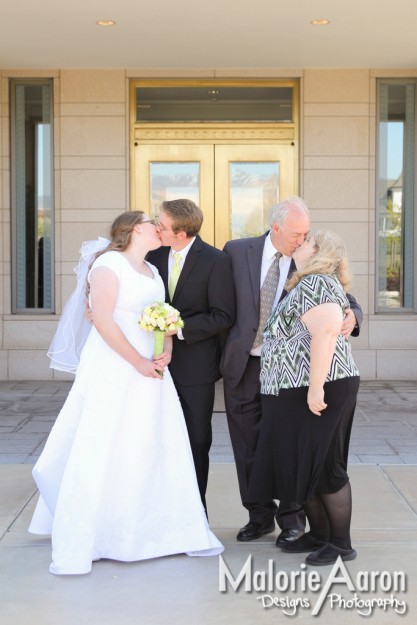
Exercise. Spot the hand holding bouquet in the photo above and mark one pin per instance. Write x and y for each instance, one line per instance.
(160, 318)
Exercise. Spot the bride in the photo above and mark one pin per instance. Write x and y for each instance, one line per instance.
(116, 477)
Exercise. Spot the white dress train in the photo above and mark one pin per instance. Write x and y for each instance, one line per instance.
(116, 477)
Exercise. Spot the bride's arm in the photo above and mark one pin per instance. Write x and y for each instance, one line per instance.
(104, 287)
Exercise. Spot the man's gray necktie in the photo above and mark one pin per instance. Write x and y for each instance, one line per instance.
(268, 292)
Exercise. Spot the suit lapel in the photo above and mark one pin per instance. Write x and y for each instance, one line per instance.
(290, 272)
(254, 256)
(163, 267)
(190, 261)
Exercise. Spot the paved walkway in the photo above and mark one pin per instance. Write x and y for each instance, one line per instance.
(185, 591)
(384, 431)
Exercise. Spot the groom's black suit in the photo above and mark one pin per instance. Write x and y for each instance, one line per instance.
(204, 295)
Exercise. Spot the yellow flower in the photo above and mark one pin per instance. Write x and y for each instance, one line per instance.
(160, 316)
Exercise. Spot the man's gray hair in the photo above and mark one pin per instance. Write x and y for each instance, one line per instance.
(279, 212)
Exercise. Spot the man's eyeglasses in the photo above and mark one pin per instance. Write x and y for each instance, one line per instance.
(160, 225)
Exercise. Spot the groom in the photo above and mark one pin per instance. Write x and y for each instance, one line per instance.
(198, 282)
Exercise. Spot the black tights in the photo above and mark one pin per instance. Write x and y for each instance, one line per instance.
(329, 516)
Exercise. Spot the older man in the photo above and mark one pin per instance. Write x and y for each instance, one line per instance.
(261, 266)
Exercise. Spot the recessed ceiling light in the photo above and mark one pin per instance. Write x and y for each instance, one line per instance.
(105, 23)
(320, 22)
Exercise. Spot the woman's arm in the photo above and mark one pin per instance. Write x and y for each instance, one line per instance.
(104, 287)
(324, 323)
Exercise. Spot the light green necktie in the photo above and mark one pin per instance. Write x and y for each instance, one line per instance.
(175, 274)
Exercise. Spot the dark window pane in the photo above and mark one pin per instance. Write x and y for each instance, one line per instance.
(214, 104)
(33, 195)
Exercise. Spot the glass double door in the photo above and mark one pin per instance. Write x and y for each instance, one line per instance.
(235, 185)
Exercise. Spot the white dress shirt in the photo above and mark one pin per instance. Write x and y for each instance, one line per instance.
(268, 257)
(183, 253)
(171, 262)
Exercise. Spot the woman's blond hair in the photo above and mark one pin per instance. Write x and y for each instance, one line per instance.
(330, 259)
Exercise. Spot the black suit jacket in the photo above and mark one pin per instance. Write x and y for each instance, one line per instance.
(246, 259)
(205, 297)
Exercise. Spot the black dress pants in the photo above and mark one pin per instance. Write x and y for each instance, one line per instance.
(244, 415)
(197, 403)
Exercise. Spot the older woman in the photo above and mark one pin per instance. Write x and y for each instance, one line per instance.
(309, 385)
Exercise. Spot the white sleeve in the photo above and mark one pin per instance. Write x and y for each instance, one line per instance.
(111, 260)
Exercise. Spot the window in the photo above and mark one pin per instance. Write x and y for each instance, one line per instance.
(32, 196)
(396, 222)
(214, 103)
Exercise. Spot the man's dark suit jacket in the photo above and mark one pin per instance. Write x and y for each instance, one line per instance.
(246, 257)
(204, 295)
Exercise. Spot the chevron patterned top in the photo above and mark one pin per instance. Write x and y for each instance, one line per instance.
(285, 361)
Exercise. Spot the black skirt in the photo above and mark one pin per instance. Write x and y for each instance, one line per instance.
(300, 454)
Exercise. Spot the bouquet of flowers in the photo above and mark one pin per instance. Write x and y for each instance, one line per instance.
(160, 318)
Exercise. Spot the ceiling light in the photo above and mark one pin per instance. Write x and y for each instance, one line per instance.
(105, 23)
(320, 22)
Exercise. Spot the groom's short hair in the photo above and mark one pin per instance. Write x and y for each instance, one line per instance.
(186, 216)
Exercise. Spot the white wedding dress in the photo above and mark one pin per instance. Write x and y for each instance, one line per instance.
(116, 477)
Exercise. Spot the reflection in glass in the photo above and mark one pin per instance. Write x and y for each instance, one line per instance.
(172, 181)
(32, 196)
(395, 196)
(254, 188)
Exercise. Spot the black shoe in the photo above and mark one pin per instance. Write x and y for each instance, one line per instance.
(328, 554)
(254, 530)
(288, 536)
(305, 544)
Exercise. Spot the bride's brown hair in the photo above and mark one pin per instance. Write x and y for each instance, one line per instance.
(120, 235)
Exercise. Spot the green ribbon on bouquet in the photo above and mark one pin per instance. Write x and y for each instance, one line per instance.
(158, 345)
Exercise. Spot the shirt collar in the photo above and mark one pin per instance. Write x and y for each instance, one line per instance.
(270, 250)
(184, 250)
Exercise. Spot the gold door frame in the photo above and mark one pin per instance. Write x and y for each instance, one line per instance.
(227, 154)
(203, 154)
(278, 134)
